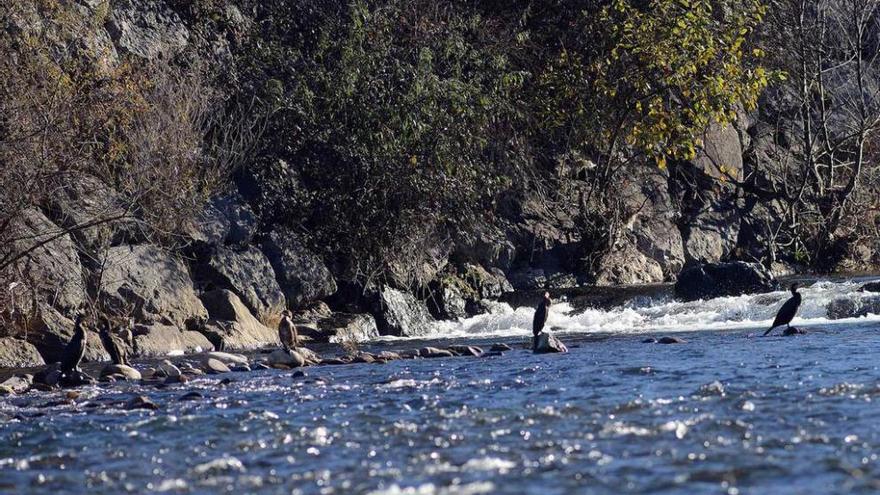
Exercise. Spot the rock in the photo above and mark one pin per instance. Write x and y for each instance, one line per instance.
(120, 369)
(302, 275)
(244, 271)
(290, 358)
(433, 352)
(388, 356)
(626, 265)
(54, 267)
(447, 302)
(228, 220)
(714, 388)
(711, 280)
(176, 380)
(17, 353)
(528, 279)
(670, 340)
(226, 357)
(191, 396)
(214, 366)
(232, 326)
(548, 343)
(50, 332)
(166, 368)
(649, 340)
(870, 287)
(141, 402)
(155, 283)
(346, 327)
(262, 366)
(486, 284)
(313, 312)
(76, 379)
(147, 29)
(164, 340)
(466, 350)
(241, 368)
(500, 347)
(789, 331)
(334, 361)
(401, 314)
(363, 357)
(310, 356)
(17, 384)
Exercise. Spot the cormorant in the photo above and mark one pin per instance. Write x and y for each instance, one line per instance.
(112, 344)
(541, 313)
(75, 349)
(788, 310)
(287, 332)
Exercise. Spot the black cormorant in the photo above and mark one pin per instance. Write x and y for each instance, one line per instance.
(788, 310)
(541, 313)
(75, 349)
(112, 344)
(287, 332)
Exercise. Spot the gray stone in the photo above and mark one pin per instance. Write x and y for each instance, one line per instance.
(53, 268)
(232, 326)
(17, 353)
(17, 384)
(853, 307)
(670, 340)
(120, 369)
(154, 285)
(247, 273)
(433, 352)
(164, 340)
(166, 368)
(346, 327)
(214, 366)
(141, 402)
(466, 350)
(147, 28)
(626, 265)
(711, 280)
(548, 343)
(401, 314)
(302, 275)
(291, 358)
(226, 357)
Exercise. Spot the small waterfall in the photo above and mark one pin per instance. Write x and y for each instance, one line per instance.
(823, 302)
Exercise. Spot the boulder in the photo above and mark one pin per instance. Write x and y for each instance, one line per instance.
(141, 402)
(53, 268)
(433, 352)
(291, 358)
(215, 366)
(167, 368)
(152, 284)
(486, 284)
(711, 280)
(401, 314)
(17, 384)
(17, 353)
(231, 324)
(852, 307)
(226, 357)
(120, 369)
(226, 220)
(500, 347)
(548, 343)
(346, 327)
(147, 29)
(246, 272)
(301, 274)
(447, 302)
(164, 340)
(466, 350)
(670, 340)
(870, 287)
(50, 333)
(626, 265)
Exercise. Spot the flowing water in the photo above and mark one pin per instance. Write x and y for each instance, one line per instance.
(725, 412)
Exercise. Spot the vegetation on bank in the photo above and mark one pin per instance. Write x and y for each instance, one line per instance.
(380, 130)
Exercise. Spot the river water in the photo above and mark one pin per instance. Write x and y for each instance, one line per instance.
(725, 412)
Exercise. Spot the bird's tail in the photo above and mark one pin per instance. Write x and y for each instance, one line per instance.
(768, 331)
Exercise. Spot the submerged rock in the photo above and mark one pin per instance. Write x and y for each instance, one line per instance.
(500, 347)
(789, 331)
(548, 343)
(670, 340)
(141, 402)
(711, 280)
(433, 352)
(466, 350)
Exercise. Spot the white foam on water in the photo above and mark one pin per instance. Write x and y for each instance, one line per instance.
(647, 315)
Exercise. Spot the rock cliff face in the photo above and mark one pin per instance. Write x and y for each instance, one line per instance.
(244, 260)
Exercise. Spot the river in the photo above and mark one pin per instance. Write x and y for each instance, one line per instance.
(725, 412)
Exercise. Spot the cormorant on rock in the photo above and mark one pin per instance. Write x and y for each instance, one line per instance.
(112, 344)
(787, 311)
(75, 349)
(287, 332)
(541, 313)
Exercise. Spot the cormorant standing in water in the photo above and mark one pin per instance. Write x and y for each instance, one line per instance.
(112, 344)
(788, 310)
(541, 313)
(75, 349)
(287, 332)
